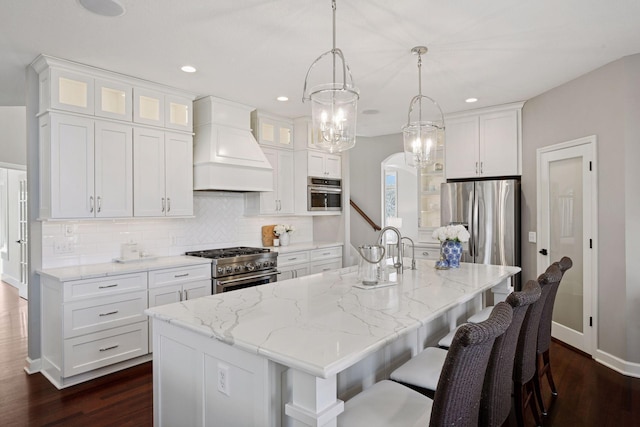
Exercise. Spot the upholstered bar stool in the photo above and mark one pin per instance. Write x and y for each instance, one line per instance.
(423, 371)
(543, 362)
(457, 399)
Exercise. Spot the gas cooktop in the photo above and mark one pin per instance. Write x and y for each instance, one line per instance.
(228, 252)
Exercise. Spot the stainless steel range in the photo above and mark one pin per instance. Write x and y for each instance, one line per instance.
(240, 267)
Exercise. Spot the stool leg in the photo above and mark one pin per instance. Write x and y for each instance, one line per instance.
(547, 367)
(538, 391)
(518, 404)
(532, 403)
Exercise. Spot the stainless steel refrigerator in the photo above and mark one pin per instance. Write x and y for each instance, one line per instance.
(491, 212)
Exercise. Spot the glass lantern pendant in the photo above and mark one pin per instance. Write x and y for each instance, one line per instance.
(422, 137)
(333, 105)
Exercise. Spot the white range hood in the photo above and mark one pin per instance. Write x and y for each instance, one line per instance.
(226, 156)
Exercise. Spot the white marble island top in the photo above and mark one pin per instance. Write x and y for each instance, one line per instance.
(321, 324)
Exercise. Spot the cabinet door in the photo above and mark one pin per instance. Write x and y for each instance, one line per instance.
(72, 168)
(333, 166)
(113, 170)
(148, 173)
(113, 100)
(193, 290)
(178, 113)
(499, 143)
(315, 164)
(179, 174)
(165, 295)
(269, 199)
(148, 107)
(71, 92)
(284, 178)
(461, 158)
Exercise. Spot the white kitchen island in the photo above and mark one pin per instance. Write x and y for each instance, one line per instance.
(272, 354)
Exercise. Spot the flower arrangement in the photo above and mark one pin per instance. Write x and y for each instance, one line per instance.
(280, 229)
(456, 233)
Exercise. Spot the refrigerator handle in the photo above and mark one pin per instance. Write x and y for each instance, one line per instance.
(471, 225)
(476, 224)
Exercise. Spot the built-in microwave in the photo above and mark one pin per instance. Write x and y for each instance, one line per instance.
(324, 194)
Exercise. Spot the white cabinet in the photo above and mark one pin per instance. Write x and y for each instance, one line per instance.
(484, 143)
(324, 165)
(113, 100)
(148, 107)
(178, 113)
(430, 252)
(280, 200)
(163, 179)
(68, 91)
(292, 265)
(178, 284)
(272, 130)
(90, 324)
(86, 168)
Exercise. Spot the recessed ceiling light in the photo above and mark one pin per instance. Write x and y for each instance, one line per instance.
(188, 69)
(282, 98)
(103, 7)
(471, 100)
(370, 112)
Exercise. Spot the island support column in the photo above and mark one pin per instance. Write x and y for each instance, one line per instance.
(314, 400)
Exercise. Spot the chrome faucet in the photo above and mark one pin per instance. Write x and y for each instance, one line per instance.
(413, 252)
(398, 263)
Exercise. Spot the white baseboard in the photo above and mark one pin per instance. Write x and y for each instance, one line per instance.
(624, 367)
(33, 366)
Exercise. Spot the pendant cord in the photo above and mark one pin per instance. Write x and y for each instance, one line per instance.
(333, 50)
(420, 88)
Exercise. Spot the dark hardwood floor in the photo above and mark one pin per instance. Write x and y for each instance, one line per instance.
(589, 393)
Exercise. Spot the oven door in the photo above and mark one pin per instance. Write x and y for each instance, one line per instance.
(324, 199)
(233, 283)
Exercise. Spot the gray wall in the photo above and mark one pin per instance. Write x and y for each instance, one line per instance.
(603, 102)
(365, 178)
(13, 136)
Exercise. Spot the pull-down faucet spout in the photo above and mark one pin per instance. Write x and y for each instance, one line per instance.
(398, 263)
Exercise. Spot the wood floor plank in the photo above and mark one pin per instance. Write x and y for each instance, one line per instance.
(590, 394)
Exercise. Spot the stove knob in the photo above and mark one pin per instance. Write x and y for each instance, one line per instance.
(237, 268)
(220, 270)
(250, 266)
(258, 265)
(229, 269)
(272, 263)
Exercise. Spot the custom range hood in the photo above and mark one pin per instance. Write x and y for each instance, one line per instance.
(226, 156)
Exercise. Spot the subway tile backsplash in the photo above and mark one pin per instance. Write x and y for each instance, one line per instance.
(218, 222)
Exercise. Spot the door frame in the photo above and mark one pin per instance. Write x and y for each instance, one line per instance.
(591, 143)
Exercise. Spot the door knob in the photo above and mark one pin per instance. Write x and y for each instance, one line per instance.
(543, 252)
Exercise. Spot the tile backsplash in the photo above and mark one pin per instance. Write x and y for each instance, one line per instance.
(218, 222)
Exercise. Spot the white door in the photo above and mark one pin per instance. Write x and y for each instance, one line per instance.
(178, 174)
(567, 226)
(333, 165)
(113, 170)
(498, 143)
(148, 172)
(285, 175)
(462, 149)
(269, 199)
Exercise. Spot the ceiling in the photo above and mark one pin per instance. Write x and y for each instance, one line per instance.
(252, 51)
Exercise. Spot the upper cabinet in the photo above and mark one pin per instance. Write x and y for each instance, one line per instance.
(484, 143)
(108, 140)
(280, 200)
(324, 165)
(272, 130)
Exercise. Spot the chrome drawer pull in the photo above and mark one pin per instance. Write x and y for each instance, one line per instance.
(326, 253)
(110, 348)
(109, 313)
(293, 259)
(181, 275)
(108, 286)
(425, 253)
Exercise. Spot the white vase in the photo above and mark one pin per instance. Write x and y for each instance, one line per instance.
(284, 239)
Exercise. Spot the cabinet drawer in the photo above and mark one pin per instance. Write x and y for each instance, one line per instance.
(79, 289)
(179, 275)
(424, 252)
(94, 351)
(319, 267)
(326, 253)
(83, 317)
(291, 258)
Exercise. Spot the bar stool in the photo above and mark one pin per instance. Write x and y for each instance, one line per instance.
(457, 399)
(543, 362)
(422, 372)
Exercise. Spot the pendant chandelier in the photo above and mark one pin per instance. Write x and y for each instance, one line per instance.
(333, 105)
(424, 136)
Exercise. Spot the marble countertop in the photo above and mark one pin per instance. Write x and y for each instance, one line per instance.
(322, 324)
(109, 269)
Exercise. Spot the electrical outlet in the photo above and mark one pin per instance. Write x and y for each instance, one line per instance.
(223, 379)
(69, 229)
(63, 246)
(532, 237)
